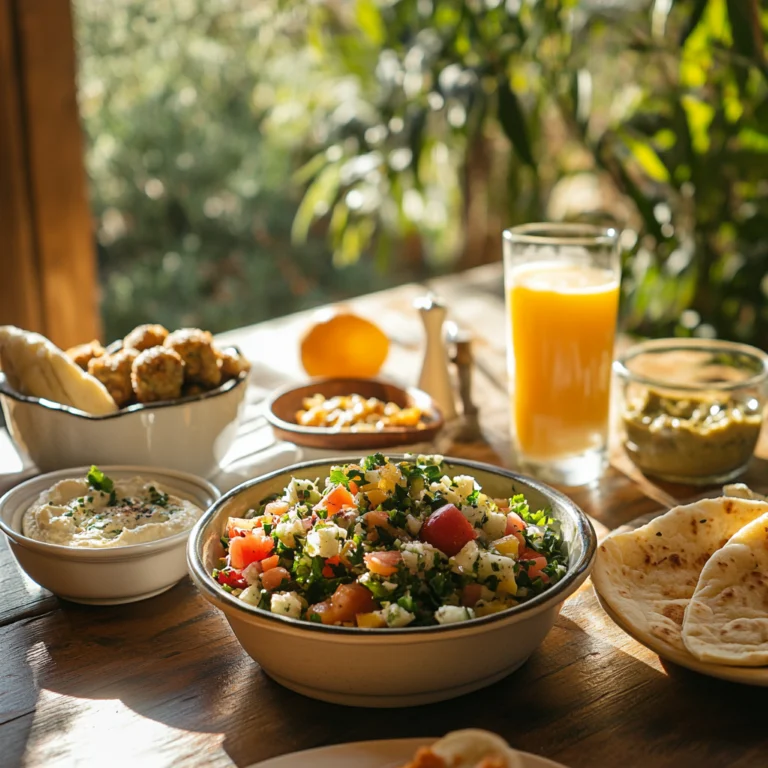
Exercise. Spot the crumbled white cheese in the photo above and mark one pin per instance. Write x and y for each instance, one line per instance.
(251, 594)
(396, 616)
(419, 556)
(450, 614)
(413, 525)
(475, 515)
(495, 526)
(286, 604)
(301, 491)
(500, 566)
(464, 560)
(326, 541)
(288, 530)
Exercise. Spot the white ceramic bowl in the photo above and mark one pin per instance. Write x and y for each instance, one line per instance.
(391, 667)
(103, 576)
(192, 434)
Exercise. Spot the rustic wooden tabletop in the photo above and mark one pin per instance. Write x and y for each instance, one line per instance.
(164, 682)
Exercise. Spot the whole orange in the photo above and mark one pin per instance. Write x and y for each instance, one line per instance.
(344, 345)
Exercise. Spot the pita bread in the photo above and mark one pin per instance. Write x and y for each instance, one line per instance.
(726, 621)
(647, 576)
(741, 491)
(35, 366)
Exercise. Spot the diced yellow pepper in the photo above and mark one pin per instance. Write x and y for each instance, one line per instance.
(370, 620)
(485, 609)
(375, 497)
(369, 487)
(508, 586)
(508, 545)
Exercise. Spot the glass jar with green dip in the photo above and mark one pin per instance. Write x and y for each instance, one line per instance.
(693, 408)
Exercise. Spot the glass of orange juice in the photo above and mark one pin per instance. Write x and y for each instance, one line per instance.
(562, 287)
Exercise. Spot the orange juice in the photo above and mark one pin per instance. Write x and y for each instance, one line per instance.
(563, 319)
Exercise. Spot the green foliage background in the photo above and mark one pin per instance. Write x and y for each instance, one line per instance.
(253, 157)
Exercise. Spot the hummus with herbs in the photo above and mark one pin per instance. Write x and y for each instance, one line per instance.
(97, 512)
(693, 437)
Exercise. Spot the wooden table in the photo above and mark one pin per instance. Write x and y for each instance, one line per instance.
(164, 683)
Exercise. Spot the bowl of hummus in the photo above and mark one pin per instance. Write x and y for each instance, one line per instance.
(105, 535)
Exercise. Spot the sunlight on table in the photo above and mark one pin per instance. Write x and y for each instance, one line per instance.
(107, 732)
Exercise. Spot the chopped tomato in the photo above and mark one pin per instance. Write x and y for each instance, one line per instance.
(270, 562)
(274, 577)
(377, 519)
(231, 578)
(538, 563)
(338, 498)
(471, 594)
(383, 563)
(448, 530)
(327, 570)
(244, 550)
(239, 526)
(354, 488)
(344, 604)
(515, 527)
(374, 520)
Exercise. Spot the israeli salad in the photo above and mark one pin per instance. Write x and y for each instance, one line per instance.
(389, 544)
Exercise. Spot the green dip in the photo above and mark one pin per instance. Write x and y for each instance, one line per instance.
(695, 438)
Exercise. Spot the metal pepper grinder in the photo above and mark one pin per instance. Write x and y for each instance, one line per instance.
(435, 378)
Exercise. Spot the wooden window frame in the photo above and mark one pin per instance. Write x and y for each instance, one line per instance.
(48, 272)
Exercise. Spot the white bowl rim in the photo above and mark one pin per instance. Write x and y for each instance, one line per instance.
(575, 575)
(124, 552)
(228, 386)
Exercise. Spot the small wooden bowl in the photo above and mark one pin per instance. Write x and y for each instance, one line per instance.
(284, 403)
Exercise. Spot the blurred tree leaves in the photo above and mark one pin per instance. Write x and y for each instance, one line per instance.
(239, 148)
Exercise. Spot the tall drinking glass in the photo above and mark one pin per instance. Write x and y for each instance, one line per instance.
(562, 286)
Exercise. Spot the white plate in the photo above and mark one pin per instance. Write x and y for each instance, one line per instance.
(372, 754)
(746, 675)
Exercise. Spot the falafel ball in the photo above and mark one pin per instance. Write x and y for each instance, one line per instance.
(196, 350)
(157, 374)
(145, 337)
(231, 363)
(114, 372)
(82, 354)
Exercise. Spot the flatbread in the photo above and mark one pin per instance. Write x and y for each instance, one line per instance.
(647, 576)
(741, 491)
(35, 366)
(726, 621)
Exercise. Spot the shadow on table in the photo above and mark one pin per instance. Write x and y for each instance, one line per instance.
(174, 660)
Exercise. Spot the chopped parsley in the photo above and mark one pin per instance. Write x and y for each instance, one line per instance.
(362, 529)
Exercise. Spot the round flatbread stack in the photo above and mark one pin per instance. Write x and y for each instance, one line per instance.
(648, 576)
(726, 621)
